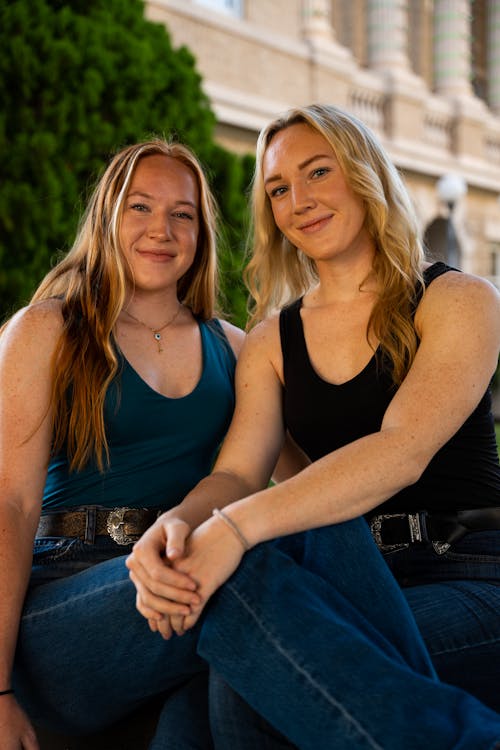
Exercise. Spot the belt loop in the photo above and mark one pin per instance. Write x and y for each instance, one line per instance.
(414, 527)
(424, 532)
(90, 524)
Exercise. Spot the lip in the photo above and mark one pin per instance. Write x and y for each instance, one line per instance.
(315, 225)
(157, 256)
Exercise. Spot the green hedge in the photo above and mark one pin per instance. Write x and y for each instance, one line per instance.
(78, 81)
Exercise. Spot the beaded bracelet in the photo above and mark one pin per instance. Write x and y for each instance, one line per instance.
(6, 692)
(231, 525)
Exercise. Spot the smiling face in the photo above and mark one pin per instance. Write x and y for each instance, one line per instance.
(160, 222)
(312, 203)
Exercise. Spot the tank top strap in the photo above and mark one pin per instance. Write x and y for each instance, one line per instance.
(216, 345)
(437, 269)
(432, 272)
(292, 339)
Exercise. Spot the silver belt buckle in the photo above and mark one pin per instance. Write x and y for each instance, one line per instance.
(376, 530)
(115, 525)
(440, 547)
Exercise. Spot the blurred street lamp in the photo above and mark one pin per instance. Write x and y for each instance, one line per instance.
(450, 188)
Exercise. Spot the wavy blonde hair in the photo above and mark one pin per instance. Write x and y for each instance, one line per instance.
(278, 272)
(91, 280)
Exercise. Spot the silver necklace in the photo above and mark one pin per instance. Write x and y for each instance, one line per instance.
(156, 331)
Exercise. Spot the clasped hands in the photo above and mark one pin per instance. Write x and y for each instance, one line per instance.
(175, 571)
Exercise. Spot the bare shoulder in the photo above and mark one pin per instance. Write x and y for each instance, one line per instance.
(235, 336)
(37, 315)
(263, 344)
(33, 330)
(460, 294)
(265, 335)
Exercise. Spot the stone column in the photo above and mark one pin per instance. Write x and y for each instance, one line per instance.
(452, 49)
(388, 34)
(331, 64)
(316, 20)
(494, 55)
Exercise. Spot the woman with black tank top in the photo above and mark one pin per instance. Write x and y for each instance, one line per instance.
(378, 366)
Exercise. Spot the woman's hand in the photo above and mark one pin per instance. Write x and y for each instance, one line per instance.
(213, 554)
(16, 732)
(162, 591)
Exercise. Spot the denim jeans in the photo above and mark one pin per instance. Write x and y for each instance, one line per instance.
(312, 631)
(86, 658)
(316, 636)
(455, 599)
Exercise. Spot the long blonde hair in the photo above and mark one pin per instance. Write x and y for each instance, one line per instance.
(91, 280)
(278, 272)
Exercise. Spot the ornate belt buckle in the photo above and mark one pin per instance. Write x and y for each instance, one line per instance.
(115, 525)
(440, 547)
(376, 531)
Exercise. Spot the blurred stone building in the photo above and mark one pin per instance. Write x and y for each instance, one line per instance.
(424, 74)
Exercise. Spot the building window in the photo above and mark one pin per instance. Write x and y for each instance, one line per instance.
(479, 48)
(349, 24)
(233, 7)
(420, 38)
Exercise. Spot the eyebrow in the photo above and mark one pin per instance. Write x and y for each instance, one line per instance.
(302, 165)
(140, 193)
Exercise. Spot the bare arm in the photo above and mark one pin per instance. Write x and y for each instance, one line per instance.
(221, 486)
(227, 486)
(458, 323)
(147, 563)
(26, 348)
(459, 327)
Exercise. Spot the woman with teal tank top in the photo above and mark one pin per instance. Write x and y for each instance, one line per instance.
(355, 605)
(116, 391)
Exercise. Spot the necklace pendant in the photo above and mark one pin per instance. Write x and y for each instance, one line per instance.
(157, 336)
(156, 331)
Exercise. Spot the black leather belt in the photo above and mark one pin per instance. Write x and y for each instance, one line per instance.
(394, 531)
(123, 525)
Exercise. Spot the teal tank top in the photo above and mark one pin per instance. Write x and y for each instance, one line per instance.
(159, 447)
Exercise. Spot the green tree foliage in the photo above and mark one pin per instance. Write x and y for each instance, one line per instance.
(78, 81)
(231, 180)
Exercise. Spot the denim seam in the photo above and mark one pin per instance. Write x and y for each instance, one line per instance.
(363, 732)
(83, 595)
(457, 649)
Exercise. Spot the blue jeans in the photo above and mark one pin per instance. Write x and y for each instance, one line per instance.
(315, 635)
(86, 658)
(327, 654)
(455, 599)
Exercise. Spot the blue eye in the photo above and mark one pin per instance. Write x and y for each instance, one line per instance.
(277, 191)
(320, 171)
(183, 215)
(138, 207)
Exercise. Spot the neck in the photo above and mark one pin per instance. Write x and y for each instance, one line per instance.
(344, 282)
(152, 308)
(142, 316)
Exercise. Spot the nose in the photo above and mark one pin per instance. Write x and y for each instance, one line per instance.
(159, 228)
(302, 198)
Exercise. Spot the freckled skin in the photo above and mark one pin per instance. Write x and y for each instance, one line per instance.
(312, 203)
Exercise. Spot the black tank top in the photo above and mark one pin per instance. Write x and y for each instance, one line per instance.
(321, 417)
